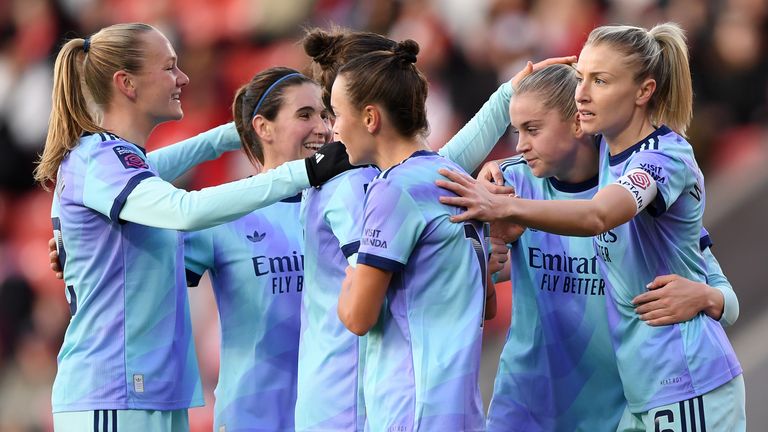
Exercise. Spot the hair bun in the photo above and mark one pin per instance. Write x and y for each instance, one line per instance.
(407, 50)
(322, 46)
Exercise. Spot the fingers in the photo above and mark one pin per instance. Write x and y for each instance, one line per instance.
(660, 281)
(667, 320)
(554, 60)
(647, 297)
(491, 173)
(457, 177)
(451, 186)
(498, 190)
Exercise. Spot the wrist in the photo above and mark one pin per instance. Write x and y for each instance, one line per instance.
(714, 303)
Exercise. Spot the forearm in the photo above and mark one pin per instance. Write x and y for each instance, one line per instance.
(728, 311)
(609, 208)
(157, 203)
(176, 159)
(490, 300)
(361, 297)
(472, 144)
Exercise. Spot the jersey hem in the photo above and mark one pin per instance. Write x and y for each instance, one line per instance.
(731, 374)
(148, 405)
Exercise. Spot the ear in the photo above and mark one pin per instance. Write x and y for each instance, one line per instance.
(644, 93)
(576, 129)
(372, 119)
(262, 127)
(125, 84)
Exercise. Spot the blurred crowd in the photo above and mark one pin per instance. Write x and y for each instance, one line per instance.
(467, 49)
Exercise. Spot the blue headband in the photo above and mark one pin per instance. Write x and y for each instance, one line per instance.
(269, 89)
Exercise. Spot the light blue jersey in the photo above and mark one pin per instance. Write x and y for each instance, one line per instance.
(660, 365)
(557, 370)
(256, 264)
(129, 342)
(330, 356)
(423, 354)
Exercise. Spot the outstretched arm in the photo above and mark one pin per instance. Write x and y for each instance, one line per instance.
(610, 207)
(176, 159)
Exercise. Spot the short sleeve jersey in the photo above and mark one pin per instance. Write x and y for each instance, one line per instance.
(557, 370)
(256, 265)
(666, 364)
(423, 354)
(331, 357)
(129, 342)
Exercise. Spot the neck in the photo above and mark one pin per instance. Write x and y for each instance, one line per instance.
(128, 125)
(628, 134)
(395, 149)
(583, 163)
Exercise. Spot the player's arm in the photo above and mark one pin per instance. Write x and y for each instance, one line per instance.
(672, 299)
(612, 206)
(149, 200)
(362, 295)
(176, 159)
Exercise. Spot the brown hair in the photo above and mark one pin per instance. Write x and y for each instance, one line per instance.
(660, 53)
(83, 71)
(330, 50)
(249, 95)
(390, 78)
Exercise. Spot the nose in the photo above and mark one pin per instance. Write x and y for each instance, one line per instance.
(323, 128)
(582, 92)
(523, 145)
(182, 80)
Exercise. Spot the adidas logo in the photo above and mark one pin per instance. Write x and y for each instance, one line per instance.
(256, 237)
(319, 157)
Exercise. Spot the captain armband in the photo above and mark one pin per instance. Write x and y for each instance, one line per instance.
(641, 185)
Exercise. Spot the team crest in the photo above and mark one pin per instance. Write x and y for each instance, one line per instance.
(129, 158)
(640, 179)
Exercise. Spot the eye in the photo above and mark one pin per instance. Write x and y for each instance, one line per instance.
(599, 81)
(305, 115)
(579, 80)
(515, 132)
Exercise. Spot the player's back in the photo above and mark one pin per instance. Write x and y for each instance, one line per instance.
(423, 355)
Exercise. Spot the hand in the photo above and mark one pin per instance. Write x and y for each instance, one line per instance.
(53, 256)
(491, 173)
(672, 299)
(531, 67)
(507, 231)
(499, 255)
(329, 161)
(482, 199)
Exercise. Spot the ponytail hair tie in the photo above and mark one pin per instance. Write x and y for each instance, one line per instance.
(86, 44)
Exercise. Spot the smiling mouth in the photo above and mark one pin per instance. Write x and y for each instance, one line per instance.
(314, 146)
(176, 97)
(584, 115)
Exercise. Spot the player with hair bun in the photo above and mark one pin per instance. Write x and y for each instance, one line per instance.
(418, 290)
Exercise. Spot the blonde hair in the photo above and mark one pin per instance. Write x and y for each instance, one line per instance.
(662, 54)
(81, 75)
(555, 86)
